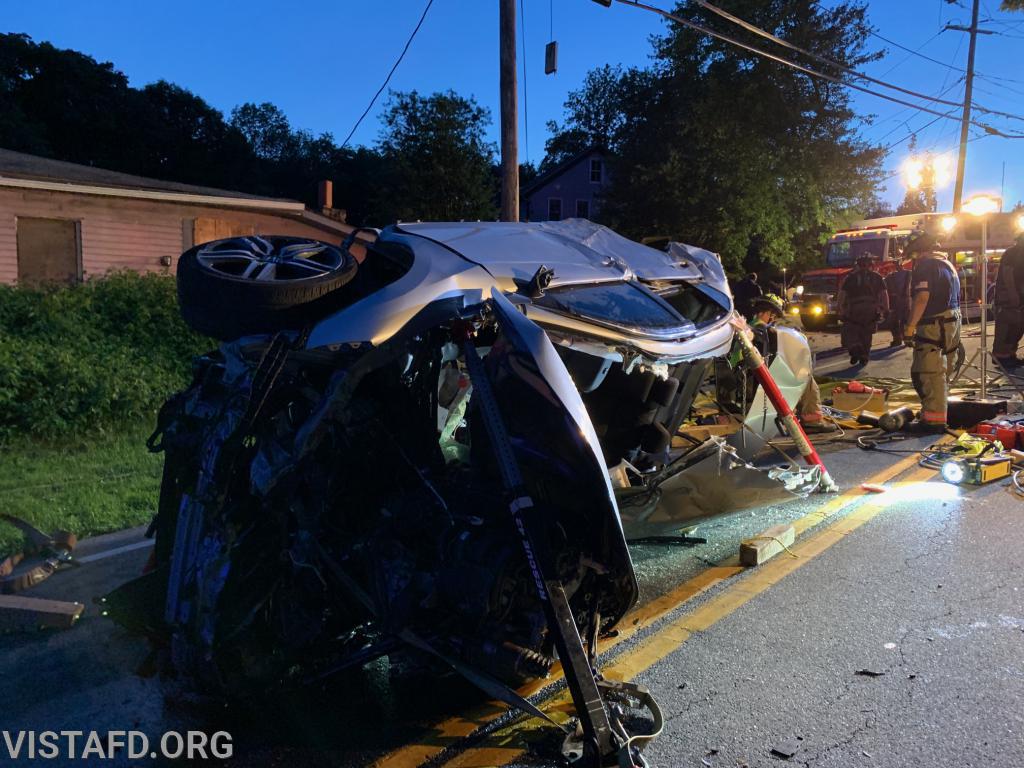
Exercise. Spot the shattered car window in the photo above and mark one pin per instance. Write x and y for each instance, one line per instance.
(620, 304)
(693, 304)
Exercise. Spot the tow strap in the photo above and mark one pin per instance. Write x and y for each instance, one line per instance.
(45, 554)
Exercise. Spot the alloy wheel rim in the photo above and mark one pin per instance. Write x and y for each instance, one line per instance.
(257, 259)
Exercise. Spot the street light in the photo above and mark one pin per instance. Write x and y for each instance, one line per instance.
(948, 224)
(982, 206)
(927, 171)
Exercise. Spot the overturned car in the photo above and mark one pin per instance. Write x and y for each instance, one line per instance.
(438, 439)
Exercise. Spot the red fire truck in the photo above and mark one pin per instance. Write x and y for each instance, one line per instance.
(883, 240)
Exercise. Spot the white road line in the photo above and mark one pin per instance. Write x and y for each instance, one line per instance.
(115, 551)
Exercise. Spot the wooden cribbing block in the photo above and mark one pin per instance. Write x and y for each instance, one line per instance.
(767, 544)
(19, 613)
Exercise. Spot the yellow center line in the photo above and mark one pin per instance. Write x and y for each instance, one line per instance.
(507, 744)
(449, 732)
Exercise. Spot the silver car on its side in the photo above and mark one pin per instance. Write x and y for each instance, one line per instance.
(437, 440)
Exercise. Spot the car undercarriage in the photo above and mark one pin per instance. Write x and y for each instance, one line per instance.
(458, 486)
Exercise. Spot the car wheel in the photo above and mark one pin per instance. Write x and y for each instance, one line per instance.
(246, 285)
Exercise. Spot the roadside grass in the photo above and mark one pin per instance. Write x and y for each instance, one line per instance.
(97, 483)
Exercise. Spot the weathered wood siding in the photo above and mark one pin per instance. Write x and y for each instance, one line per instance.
(121, 233)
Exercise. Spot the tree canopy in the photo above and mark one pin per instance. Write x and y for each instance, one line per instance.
(438, 163)
(717, 146)
(431, 160)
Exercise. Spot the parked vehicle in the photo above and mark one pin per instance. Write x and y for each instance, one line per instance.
(412, 451)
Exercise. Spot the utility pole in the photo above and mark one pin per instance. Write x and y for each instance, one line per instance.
(965, 123)
(509, 114)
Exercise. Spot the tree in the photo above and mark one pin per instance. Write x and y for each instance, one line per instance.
(1012, 5)
(437, 162)
(266, 128)
(597, 114)
(730, 151)
(879, 209)
(917, 201)
(188, 140)
(64, 104)
(432, 160)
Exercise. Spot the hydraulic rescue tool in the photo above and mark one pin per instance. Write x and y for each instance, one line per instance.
(778, 401)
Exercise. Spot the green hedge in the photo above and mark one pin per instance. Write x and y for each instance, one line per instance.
(90, 356)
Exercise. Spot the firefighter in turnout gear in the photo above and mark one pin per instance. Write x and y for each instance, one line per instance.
(1008, 303)
(897, 285)
(933, 328)
(863, 301)
(766, 311)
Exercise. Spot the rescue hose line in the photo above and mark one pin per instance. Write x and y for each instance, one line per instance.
(782, 408)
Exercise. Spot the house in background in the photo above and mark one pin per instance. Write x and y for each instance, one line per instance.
(63, 222)
(571, 189)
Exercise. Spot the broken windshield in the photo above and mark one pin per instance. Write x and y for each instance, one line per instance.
(619, 304)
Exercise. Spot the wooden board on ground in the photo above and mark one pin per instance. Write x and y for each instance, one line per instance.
(703, 432)
(21, 613)
(766, 544)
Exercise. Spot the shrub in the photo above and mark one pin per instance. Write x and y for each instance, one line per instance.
(90, 356)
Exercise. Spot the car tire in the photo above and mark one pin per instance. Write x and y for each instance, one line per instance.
(260, 284)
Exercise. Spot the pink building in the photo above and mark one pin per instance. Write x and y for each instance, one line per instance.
(66, 222)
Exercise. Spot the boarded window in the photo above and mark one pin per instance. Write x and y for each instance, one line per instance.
(207, 229)
(554, 208)
(47, 251)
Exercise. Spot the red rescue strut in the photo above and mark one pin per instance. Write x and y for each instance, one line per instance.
(782, 408)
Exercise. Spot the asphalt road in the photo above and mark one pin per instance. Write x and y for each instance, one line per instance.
(927, 590)
(885, 361)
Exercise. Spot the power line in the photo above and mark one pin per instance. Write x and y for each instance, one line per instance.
(905, 59)
(920, 55)
(912, 132)
(388, 78)
(824, 60)
(799, 67)
(842, 67)
(1001, 85)
(914, 112)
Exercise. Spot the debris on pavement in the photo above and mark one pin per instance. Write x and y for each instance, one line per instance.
(19, 613)
(788, 747)
(767, 544)
(869, 673)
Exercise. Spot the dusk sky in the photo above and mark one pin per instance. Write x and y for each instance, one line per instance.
(321, 62)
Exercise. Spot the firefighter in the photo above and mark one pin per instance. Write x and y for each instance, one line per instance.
(1008, 303)
(745, 292)
(862, 302)
(897, 286)
(933, 328)
(767, 310)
